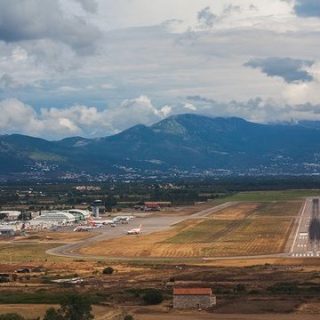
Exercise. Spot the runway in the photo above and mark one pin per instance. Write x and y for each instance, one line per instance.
(150, 224)
(307, 240)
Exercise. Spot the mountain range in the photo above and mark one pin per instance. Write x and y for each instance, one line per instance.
(185, 142)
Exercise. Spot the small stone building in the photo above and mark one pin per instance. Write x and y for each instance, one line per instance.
(193, 298)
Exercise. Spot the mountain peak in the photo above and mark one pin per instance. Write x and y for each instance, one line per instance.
(183, 124)
(171, 125)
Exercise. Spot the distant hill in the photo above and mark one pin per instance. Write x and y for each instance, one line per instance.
(182, 142)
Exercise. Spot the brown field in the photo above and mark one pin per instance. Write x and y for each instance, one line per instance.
(26, 252)
(57, 237)
(307, 263)
(38, 310)
(206, 316)
(157, 313)
(247, 228)
(244, 229)
(32, 248)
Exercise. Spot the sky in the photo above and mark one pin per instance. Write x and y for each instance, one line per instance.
(93, 68)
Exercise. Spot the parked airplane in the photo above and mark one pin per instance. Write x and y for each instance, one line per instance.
(69, 281)
(82, 228)
(100, 222)
(122, 219)
(135, 231)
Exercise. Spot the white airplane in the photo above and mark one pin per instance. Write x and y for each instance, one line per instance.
(99, 223)
(135, 231)
(82, 228)
(122, 219)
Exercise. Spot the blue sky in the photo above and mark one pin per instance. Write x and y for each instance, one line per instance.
(96, 67)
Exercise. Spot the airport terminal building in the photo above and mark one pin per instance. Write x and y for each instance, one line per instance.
(54, 217)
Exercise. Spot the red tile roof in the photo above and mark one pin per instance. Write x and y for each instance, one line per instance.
(151, 204)
(192, 291)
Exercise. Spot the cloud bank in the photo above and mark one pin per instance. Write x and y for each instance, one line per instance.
(53, 123)
(81, 120)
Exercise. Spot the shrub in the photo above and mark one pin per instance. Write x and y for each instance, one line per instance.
(152, 296)
(76, 307)
(11, 316)
(128, 317)
(284, 288)
(108, 270)
(4, 279)
(52, 314)
(240, 288)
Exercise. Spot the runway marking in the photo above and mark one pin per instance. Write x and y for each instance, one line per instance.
(299, 225)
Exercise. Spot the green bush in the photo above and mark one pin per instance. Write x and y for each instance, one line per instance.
(73, 307)
(108, 270)
(284, 288)
(152, 296)
(128, 317)
(52, 314)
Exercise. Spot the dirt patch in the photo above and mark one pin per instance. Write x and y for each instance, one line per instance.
(259, 306)
(58, 237)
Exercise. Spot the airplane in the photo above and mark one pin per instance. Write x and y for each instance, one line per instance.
(99, 223)
(135, 231)
(122, 219)
(70, 281)
(82, 228)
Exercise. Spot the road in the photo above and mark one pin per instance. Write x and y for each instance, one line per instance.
(150, 224)
(302, 246)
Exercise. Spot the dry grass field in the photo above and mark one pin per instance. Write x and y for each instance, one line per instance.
(32, 248)
(57, 237)
(249, 228)
(26, 252)
(38, 310)
(206, 316)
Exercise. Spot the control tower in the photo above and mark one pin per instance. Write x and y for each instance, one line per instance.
(97, 208)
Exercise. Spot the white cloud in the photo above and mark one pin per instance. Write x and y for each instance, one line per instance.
(301, 93)
(54, 123)
(18, 117)
(89, 5)
(190, 106)
(136, 111)
(98, 53)
(107, 86)
(256, 110)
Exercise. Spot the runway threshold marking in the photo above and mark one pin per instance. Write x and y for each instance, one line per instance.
(299, 225)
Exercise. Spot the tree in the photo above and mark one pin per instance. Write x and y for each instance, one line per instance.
(152, 296)
(76, 307)
(52, 314)
(11, 316)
